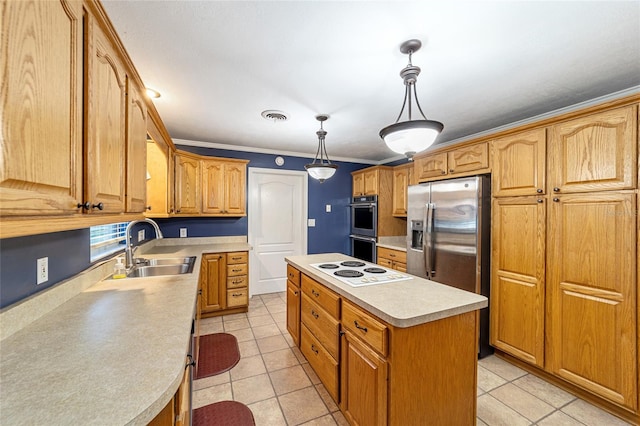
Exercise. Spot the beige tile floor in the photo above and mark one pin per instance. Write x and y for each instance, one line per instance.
(275, 381)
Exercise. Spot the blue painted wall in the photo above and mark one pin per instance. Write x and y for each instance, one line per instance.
(69, 252)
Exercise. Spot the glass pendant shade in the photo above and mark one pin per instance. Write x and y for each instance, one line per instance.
(321, 169)
(411, 136)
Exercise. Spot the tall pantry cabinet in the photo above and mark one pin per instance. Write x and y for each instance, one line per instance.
(564, 283)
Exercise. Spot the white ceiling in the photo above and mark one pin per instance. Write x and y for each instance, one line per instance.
(219, 64)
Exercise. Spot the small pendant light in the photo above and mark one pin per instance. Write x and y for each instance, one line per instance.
(411, 136)
(321, 168)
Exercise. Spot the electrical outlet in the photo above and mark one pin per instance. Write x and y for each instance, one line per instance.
(311, 223)
(42, 273)
(141, 235)
(183, 232)
(328, 208)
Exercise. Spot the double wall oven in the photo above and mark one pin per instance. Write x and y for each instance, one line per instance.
(364, 227)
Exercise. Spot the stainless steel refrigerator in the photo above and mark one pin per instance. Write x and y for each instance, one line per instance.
(448, 237)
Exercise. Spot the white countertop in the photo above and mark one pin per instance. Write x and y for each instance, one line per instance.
(401, 304)
(113, 354)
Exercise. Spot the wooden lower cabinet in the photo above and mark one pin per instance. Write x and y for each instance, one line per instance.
(364, 383)
(592, 289)
(394, 259)
(224, 282)
(518, 277)
(385, 375)
(293, 312)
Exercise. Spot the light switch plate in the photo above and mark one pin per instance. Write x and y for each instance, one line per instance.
(311, 223)
(43, 270)
(328, 208)
(141, 235)
(183, 232)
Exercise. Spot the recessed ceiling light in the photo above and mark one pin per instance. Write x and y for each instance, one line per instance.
(153, 93)
(274, 115)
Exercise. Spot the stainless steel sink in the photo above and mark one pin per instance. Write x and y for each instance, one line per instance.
(159, 267)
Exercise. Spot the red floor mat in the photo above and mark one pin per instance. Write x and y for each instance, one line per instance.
(223, 413)
(218, 353)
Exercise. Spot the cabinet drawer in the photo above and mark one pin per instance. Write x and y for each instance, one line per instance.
(385, 262)
(236, 282)
(237, 257)
(237, 297)
(399, 266)
(321, 295)
(365, 326)
(293, 275)
(323, 364)
(239, 269)
(324, 327)
(394, 255)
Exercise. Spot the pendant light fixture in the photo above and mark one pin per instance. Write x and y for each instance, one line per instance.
(411, 136)
(321, 168)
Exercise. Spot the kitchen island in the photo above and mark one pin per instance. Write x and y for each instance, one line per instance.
(398, 353)
(94, 350)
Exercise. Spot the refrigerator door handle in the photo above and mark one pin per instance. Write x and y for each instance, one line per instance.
(430, 238)
(427, 240)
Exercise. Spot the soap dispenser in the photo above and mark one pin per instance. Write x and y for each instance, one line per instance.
(119, 271)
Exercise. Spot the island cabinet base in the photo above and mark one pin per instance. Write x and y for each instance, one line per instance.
(433, 372)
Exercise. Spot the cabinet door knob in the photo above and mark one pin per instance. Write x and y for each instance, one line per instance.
(443, 171)
(98, 206)
(178, 211)
(86, 205)
(148, 208)
(450, 170)
(539, 191)
(556, 200)
(556, 189)
(540, 200)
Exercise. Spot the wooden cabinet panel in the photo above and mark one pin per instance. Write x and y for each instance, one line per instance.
(400, 184)
(358, 184)
(519, 164)
(213, 187)
(212, 282)
(322, 362)
(371, 182)
(324, 297)
(518, 277)
(159, 185)
(41, 133)
(237, 297)
(235, 270)
(468, 158)
(105, 123)
(363, 383)
(187, 184)
(395, 259)
(293, 275)
(293, 312)
(322, 325)
(365, 327)
(431, 166)
(235, 189)
(596, 152)
(136, 194)
(593, 289)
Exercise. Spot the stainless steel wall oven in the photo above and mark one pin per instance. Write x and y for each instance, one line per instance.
(363, 248)
(364, 227)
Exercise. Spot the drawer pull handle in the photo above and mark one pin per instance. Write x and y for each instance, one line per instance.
(237, 281)
(236, 258)
(313, 348)
(295, 293)
(315, 293)
(392, 255)
(236, 294)
(359, 327)
(314, 314)
(237, 270)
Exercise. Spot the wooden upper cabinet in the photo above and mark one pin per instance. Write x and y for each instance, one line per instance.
(187, 184)
(519, 164)
(213, 187)
(358, 184)
(159, 185)
(518, 277)
(595, 152)
(136, 151)
(235, 188)
(401, 179)
(41, 133)
(592, 285)
(105, 123)
(431, 166)
(468, 158)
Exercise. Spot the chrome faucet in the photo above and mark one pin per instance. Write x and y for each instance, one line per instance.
(129, 250)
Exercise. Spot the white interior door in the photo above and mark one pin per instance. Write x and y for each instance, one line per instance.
(277, 219)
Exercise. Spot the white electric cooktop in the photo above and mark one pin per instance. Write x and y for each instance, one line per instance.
(360, 273)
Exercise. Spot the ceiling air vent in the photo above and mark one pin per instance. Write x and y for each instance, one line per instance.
(274, 115)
